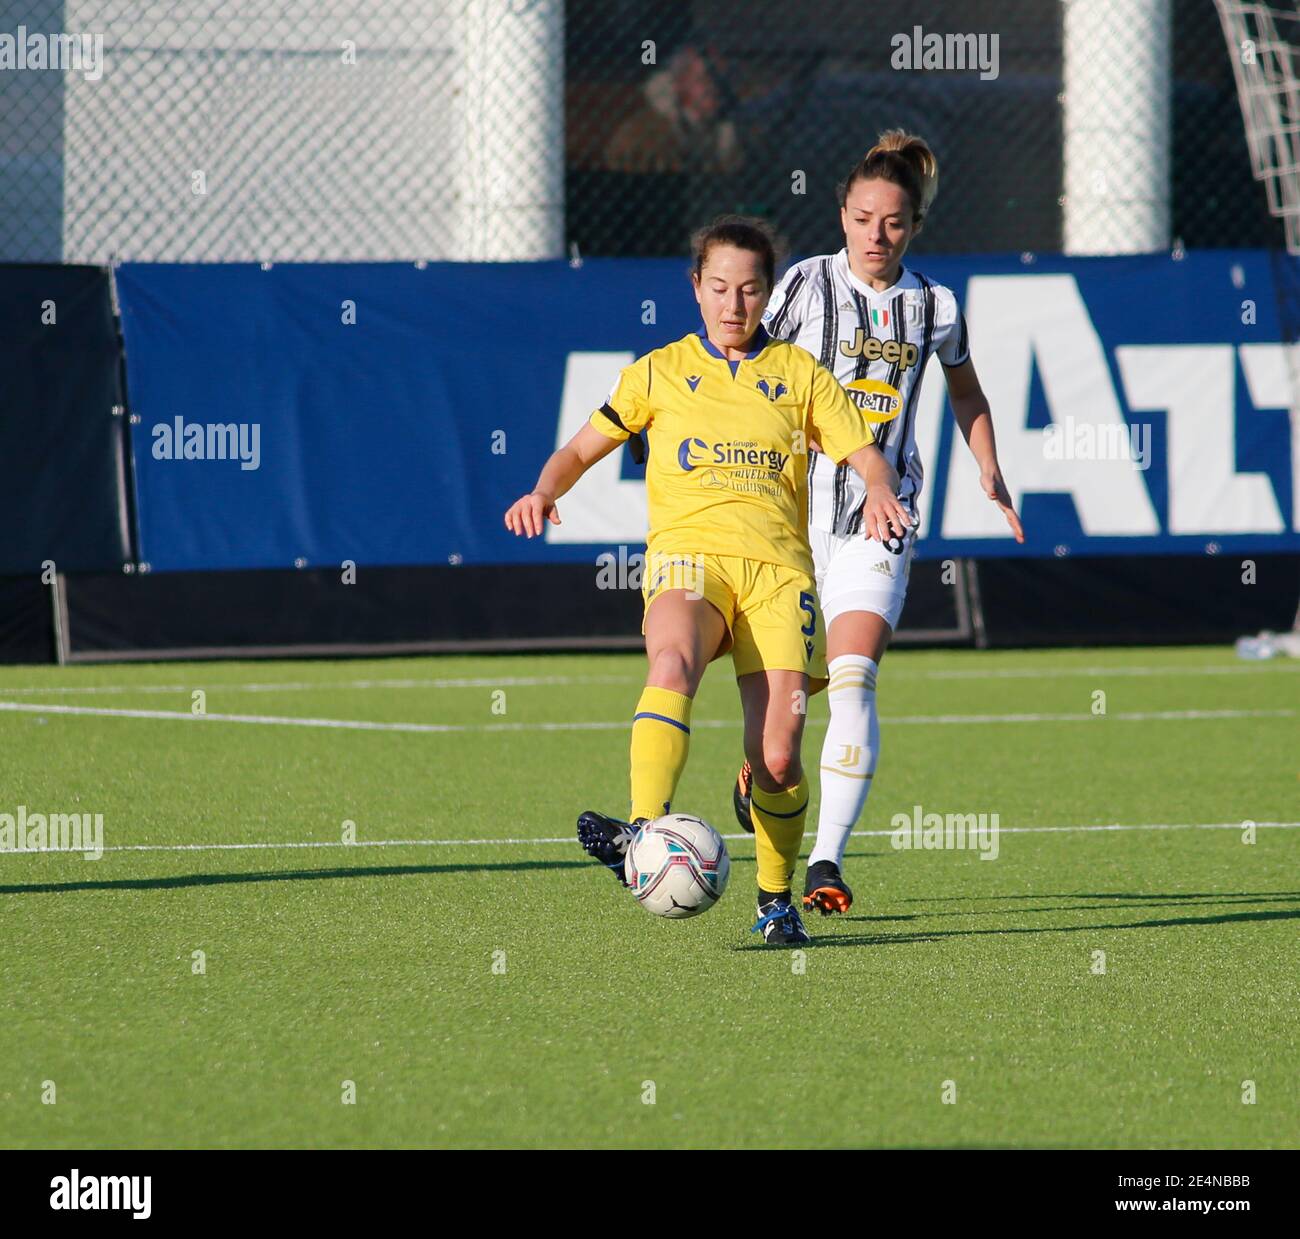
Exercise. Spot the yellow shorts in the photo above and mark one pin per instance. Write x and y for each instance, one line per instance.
(773, 619)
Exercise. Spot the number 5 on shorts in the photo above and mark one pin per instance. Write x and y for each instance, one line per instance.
(808, 603)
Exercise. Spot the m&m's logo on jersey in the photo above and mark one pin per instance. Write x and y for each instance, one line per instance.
(878, 401)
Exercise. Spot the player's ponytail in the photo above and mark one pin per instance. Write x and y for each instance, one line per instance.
(904, 159)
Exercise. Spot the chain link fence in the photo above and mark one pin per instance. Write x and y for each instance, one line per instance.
(732, 109)
(299, 129)
(513, 129)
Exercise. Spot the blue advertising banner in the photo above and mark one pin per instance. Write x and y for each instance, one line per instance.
(388, 414)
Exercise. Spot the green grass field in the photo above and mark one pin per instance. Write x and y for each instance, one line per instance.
(375, 964)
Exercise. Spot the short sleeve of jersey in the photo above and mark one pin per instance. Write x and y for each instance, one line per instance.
(953, 343)
(835, 421)
(627, 408)
(784, 314)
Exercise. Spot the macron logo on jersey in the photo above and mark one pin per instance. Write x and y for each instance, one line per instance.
(692, 381)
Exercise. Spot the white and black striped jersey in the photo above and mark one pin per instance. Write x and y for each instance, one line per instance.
(858, 333)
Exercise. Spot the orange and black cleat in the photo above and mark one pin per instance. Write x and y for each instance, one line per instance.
(740, 796)
(825, 889)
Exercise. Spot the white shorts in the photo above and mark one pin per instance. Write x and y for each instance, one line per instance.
(857, 573)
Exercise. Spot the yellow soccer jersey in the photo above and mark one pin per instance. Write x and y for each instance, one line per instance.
(728, 466)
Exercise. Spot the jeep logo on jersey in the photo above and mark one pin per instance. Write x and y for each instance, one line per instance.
(691, 453)
(893, 352)
(773, 389)
(878, 401)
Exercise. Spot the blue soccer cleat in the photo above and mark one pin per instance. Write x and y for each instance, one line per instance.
(779, 923)
(606, 839)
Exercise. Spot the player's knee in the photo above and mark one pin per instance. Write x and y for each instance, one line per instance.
(675, 670)
(779, 768)
(851, 709)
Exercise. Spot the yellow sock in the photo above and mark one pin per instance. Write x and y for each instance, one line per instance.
(778, 831)
(661, 736)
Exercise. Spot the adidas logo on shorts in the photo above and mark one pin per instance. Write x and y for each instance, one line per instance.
(883, 567)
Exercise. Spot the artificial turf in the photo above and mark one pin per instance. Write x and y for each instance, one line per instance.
(504, 991)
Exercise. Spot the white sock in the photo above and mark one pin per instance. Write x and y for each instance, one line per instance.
(849, 754)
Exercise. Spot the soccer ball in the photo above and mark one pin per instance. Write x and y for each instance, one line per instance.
(677, 866)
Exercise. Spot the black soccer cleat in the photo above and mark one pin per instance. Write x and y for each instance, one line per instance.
(825, 889)
(740, 797)
(779, 923)
(606, 839)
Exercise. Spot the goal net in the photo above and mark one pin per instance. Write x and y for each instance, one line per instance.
(1263, 41)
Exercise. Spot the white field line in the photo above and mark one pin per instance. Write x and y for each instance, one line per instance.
(296, 686)
(446, 843)
(545, 681)
(277, 720)
(1052, 673)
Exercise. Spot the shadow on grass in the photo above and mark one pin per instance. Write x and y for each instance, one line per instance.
(1231, 918)
(750, 859)
(290, 875)
(1110, 895)
(1208, 900)
(304, 875)
(1181, 900)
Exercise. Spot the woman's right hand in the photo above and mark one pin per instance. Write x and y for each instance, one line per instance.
(883, 517)
(529, 515)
